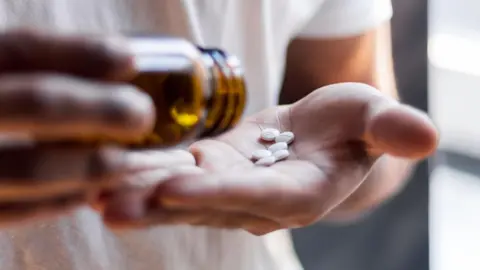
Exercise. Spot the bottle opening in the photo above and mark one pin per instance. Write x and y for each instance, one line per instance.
(225, 108)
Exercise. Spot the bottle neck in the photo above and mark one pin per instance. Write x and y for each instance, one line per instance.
(227, 97)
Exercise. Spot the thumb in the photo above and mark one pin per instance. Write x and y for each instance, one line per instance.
(399, 130)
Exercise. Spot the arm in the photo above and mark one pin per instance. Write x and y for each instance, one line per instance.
(313, 63)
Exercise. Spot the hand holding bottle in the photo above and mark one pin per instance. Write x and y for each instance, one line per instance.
(55, 88)
(64, 101)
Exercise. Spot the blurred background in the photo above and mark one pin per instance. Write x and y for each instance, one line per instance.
(433, 224)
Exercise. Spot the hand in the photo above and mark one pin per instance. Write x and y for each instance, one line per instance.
(60, 88)
(341, 131)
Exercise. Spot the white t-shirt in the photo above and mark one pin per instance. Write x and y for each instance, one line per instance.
(258, 32)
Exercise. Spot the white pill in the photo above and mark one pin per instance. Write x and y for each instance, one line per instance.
(261, 153)
(269, 134)
(278, 146)
(266, 161)
(281, 154)
(286, 137)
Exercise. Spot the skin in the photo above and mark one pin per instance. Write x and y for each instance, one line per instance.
(354, 143)
(68, 88)
(366, 59)
(63, 88)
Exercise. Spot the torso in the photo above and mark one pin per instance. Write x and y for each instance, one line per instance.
(258, 32)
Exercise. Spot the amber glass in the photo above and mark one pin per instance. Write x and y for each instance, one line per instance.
(197, 92)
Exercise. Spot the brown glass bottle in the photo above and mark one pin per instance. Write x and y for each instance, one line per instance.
(197, 92)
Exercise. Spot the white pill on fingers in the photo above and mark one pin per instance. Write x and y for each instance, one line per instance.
(277, 146)
(281, 155)
(286, 137)
(261, 153)
(266, 161)
(269, 134)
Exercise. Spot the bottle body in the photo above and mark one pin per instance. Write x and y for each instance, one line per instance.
(197, 92)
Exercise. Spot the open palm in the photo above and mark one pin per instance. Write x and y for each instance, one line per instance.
(340, 131)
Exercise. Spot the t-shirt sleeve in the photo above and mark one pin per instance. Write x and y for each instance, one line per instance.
(340, 18)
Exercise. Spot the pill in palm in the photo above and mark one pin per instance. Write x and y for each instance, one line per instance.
(278, 146)
(266, 161)
(286, 137)
(261, 153)
(269, 134)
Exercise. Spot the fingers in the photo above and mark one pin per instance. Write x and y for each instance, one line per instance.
(38, 181)
(21, 211)
(43, 171)
(146, 170)
(354, 111)
(293, 193)
(402, 131)
(263, 192)
(56, 107)
(138, 206)
(24, 51)
(393, 128)
(134, 210)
